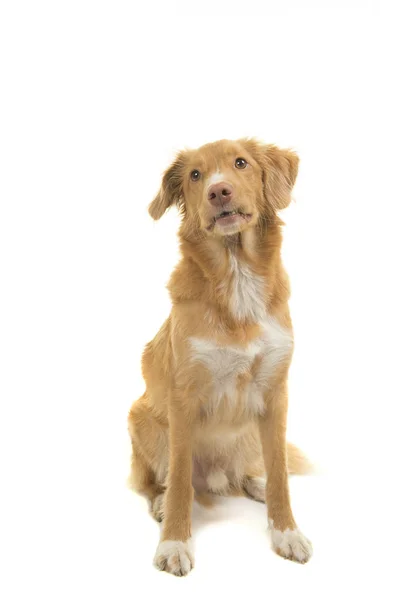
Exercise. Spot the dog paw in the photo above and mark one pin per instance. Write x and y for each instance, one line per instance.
(255, 488)
(175, 557)
(291, 544)
(157, 507)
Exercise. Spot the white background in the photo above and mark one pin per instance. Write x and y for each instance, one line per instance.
(95, 99)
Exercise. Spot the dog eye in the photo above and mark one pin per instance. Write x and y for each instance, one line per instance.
(240, 163)
(195, 175)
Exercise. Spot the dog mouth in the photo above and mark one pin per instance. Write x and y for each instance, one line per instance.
(229, 217)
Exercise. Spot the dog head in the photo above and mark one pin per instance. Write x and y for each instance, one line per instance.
(226, 187)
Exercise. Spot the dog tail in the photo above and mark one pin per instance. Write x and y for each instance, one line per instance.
(298, 463)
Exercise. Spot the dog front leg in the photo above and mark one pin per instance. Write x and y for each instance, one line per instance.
(287, 539)
(174, 553)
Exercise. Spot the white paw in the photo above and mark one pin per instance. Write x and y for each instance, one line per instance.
(255, 487)
(174, 557)
(291, 544)
(157, 508)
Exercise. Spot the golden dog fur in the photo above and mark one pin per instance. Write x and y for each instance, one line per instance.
(213, 416)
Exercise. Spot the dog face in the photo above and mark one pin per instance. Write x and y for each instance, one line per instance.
(226, 187)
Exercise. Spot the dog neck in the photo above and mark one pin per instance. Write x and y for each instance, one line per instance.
(239, 274)
(257, 247)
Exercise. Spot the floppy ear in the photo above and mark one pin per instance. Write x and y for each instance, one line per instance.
(279, 168)
(171, 190)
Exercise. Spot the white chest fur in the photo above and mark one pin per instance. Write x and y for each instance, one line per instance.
(227, 363)
(246, 291)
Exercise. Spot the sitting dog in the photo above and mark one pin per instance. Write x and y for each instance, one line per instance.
(213, 416)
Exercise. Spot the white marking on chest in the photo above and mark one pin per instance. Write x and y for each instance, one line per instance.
(226, 363)
(246, 291)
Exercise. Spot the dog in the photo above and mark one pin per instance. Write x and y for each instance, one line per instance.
(213, 416)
